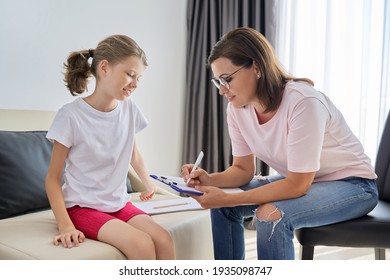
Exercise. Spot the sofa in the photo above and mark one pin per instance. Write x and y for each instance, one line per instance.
(27, 224)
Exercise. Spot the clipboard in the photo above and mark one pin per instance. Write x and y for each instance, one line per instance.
(177, 184)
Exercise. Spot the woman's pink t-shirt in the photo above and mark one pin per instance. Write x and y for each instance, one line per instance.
(307, 133)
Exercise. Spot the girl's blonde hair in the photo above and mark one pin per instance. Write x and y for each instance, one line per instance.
(244, 46)
(114, 49)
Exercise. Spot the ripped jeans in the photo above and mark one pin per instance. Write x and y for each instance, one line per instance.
(325, 203)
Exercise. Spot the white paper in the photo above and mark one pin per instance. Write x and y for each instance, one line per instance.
(168, 205)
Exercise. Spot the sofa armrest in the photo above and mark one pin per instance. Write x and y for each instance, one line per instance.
(135, 181)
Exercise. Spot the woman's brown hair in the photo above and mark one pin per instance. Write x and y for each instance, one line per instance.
(113, 49)
(244, 45)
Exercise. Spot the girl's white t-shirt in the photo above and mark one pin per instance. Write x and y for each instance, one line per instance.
(101, 146)
(307, 133)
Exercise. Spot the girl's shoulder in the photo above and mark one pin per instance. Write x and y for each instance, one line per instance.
(71, 106)
(130, 105)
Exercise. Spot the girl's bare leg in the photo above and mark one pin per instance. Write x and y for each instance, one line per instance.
(131, 241)
(163, 243)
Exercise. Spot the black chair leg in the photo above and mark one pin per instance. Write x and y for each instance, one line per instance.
(380, 254)
(306, 252)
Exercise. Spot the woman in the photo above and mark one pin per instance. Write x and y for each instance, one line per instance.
(324, 175)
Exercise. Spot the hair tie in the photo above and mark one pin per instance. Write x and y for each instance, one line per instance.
(90, 52)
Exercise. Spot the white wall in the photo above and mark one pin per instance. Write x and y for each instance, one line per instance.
(37, 35)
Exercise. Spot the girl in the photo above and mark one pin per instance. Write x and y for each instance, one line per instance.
(94, 137)
(325, 177)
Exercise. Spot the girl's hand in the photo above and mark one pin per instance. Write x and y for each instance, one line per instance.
(69, 238)
(146, 195)
(198, 177)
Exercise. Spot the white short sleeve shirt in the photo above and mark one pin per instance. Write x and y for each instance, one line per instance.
(101, 146)
(307, 133)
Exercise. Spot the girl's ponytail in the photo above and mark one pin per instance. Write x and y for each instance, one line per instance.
(77, 71)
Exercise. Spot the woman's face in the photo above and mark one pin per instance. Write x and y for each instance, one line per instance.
(242, 84)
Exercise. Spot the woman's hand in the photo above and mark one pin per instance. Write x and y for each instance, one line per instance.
(212, 197)
(198, 177)
(69, 238)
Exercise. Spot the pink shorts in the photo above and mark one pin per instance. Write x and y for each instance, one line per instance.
(89, 221)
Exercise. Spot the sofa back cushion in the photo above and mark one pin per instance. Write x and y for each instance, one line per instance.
(24, 160)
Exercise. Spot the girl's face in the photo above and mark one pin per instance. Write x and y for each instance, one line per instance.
(242, 84)
(121, 79)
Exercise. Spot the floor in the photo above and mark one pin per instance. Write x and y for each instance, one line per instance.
(320, 252)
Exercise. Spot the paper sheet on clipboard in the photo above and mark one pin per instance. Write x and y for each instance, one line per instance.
(178, 184)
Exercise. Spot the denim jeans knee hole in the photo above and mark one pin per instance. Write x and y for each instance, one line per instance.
(268, 212)
(269, 215)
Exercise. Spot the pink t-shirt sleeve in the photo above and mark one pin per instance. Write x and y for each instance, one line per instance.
(305, 135)
(240, 147)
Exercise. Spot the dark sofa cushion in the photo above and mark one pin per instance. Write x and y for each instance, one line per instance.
(24, 160)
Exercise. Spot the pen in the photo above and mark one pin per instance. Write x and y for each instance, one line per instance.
(197, 162)
(170, 205)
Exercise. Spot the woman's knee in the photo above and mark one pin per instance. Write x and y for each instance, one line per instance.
(268, 212)
(268, 218)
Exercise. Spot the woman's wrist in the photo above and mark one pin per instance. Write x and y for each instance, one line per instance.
(212, 179)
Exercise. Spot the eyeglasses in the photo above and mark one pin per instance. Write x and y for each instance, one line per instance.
(224, 81)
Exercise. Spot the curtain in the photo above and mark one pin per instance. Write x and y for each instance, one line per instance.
(205, 110)
(344, 47)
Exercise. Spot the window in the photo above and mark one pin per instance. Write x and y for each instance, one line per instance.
(343, 46)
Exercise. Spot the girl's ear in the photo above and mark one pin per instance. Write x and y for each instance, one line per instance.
(103, 67)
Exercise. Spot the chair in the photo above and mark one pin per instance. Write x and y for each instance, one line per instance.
(369, 231)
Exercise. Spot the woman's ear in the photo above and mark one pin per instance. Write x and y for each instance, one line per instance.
(257, 70)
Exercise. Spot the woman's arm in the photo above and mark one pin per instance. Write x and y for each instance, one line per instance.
(138, 164)
(240, 173)
(68, 233)
(293, 186)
